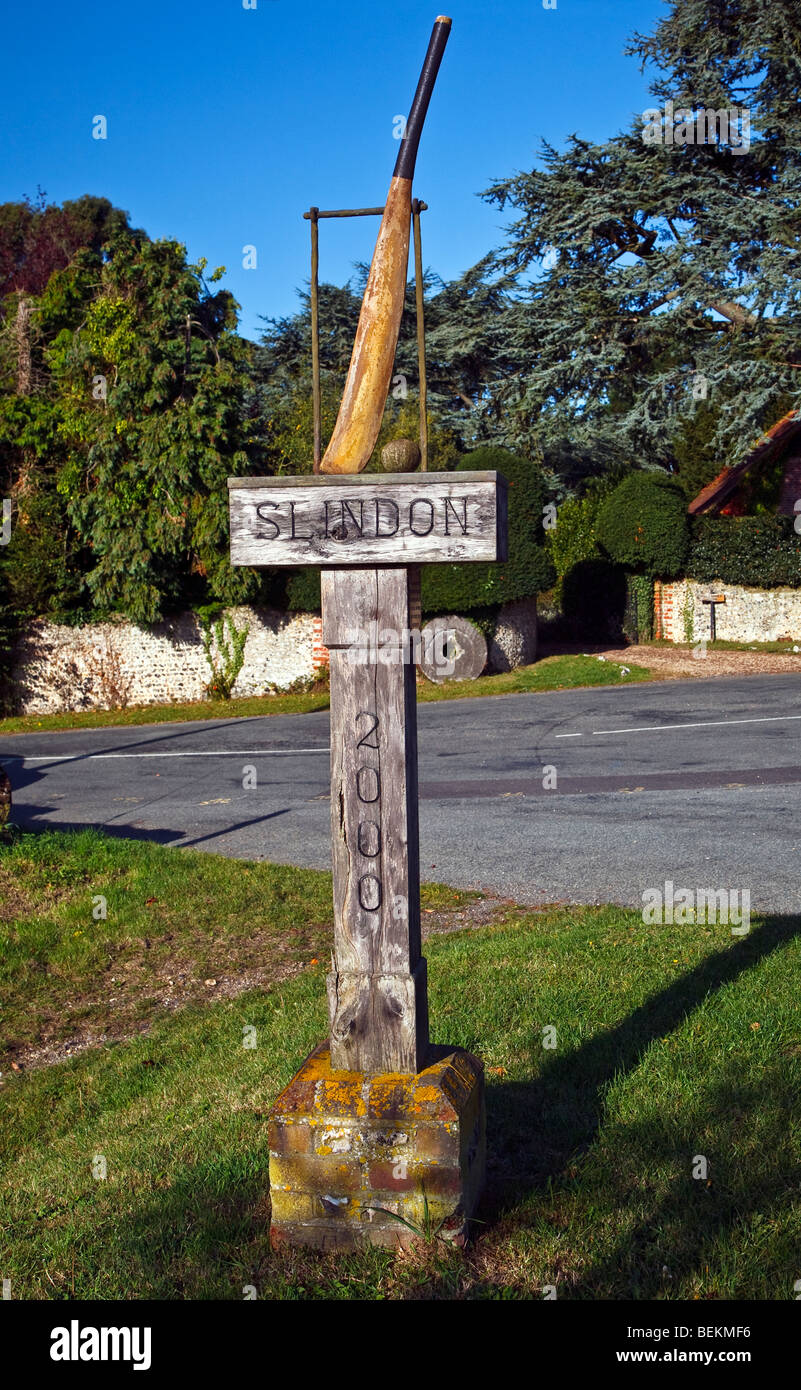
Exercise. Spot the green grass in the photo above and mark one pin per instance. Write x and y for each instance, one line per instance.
(173, 922)
(720, 645)
(672, 1042)
(552, 673)
(247, 708)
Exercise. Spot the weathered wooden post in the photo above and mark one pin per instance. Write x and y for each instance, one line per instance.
(378, 1124)
(377, 1118)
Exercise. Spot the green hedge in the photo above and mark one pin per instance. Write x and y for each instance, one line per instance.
(643, 525)
(761, 551)
(573, 539)
(529, 569)
(638, 623)
(594, 599)
(303, 592)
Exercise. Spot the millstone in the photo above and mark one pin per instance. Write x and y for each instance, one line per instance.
(460, 643)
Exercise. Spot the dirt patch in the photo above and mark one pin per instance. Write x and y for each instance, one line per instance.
(480, 912)
(134, 992)
(678, 662)
(16, 905)
(48, 1052)
(13, 903)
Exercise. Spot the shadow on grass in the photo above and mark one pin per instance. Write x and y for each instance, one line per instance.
(32, 824)
(540, 1131)
(210, 1231)
(752, 1174)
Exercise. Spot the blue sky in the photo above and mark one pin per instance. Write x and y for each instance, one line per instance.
(226, 123)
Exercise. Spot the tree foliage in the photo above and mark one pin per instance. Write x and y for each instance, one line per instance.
(38, 238)
(145, 477)
(651, 265)
(123, 433)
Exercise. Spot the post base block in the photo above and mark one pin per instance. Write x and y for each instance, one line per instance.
(352, 1151)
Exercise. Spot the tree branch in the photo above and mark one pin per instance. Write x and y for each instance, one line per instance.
(462, 397)
(735, 313)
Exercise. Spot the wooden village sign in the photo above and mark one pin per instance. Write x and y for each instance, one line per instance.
(377, 1124)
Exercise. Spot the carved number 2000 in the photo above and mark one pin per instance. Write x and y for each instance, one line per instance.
(368, 837)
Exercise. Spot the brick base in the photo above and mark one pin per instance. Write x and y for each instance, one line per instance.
(344, 1143)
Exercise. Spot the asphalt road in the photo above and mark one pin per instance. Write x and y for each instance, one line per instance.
(696, 782)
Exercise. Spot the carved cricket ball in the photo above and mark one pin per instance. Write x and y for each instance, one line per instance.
(400, 456)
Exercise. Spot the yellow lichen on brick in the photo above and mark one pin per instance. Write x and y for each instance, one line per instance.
(295, 1206)
(365, 1137)
(337, 1098)
(426, 1095)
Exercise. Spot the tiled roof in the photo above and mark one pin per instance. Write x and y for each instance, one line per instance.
(712, 497)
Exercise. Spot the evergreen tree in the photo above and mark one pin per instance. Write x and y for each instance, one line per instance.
(145, 476)
(665, 274)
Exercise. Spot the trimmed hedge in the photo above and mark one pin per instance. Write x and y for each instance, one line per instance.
(303, 591)
(643, 525)
(762, 551)
(638, 623)
(459, 588)
(573, 538)
(529, 569)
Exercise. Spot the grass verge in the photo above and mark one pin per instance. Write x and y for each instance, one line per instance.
(672, 1044)
(100, 935)
(180, 712)
(552, 673)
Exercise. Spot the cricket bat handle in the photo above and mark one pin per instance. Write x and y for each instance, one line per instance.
(407, 155)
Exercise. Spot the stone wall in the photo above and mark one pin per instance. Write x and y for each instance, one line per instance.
(748, 615)
(514, 642)
(107, 665)
(114, 664)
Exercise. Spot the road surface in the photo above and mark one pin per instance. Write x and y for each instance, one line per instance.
(697, 782)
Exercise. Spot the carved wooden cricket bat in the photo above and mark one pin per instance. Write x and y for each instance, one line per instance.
(370, 371)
